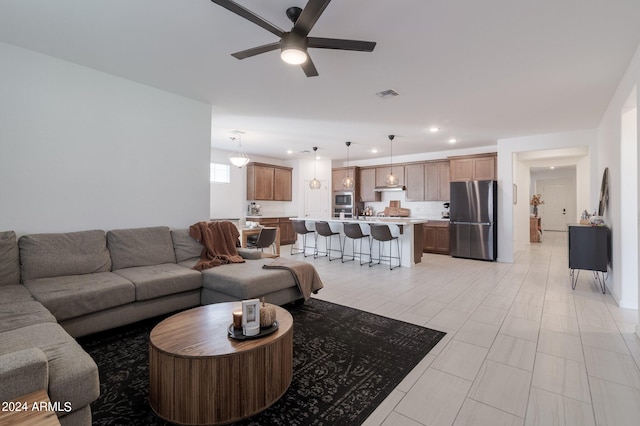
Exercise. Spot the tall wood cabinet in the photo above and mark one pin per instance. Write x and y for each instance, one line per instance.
(473, 167)
(266, 182)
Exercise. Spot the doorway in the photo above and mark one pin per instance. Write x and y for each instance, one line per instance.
(316, 201)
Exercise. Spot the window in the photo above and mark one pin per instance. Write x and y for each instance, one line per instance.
(220, 173)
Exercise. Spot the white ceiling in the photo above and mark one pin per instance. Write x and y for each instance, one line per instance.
(480, 70)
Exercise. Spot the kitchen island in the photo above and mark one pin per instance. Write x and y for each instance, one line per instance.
(408, 231)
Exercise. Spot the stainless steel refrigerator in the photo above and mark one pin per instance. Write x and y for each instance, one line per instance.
(473, 219)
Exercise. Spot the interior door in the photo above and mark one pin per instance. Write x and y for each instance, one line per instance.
(317, 202)
(558, 209)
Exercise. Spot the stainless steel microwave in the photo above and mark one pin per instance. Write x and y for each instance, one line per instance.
(343, 199)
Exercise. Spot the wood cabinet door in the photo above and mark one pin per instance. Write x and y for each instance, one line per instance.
(282, 184)
(461, 170)
(442, 239)
(415, 180)
(432, 182)
(430, 239)
(287, 235)
(382, 172)
(263, 183)
(484, 168)
(443, 181)
(368, 184)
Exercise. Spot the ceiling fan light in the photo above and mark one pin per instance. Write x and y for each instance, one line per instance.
(293, 56)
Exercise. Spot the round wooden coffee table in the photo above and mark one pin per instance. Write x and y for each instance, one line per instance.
(198, 375)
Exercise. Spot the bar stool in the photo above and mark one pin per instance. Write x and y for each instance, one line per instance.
(354, 231)
(300, 227)
(323, 229)
(382, 234)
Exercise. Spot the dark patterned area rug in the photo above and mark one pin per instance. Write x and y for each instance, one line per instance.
(346, 362)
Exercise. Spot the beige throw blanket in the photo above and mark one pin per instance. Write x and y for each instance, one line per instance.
(304, 274)
(219, 241)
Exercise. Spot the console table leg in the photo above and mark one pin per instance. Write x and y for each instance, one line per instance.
(574, 277)
(599, 276)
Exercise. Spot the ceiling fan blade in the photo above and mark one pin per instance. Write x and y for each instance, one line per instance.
(249, 15)
(309, 68)
(341, 44)
(309, 16)
(256, 50)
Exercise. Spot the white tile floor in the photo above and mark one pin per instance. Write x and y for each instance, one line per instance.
(522, 348)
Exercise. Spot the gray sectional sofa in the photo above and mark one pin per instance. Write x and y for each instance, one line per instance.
(54, 287)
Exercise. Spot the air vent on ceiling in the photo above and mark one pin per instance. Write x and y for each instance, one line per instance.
(389, 93)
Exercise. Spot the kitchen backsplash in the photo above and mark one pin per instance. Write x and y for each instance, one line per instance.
(419, 209)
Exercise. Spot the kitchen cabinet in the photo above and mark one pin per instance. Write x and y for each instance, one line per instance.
(287, 234)
(383, 171)
(414, 177)
(282, 184)
(436, 181)
(338, 175)
(436, 237)
(266, 182)
(367, 185)
(474, 167)
(427, 181)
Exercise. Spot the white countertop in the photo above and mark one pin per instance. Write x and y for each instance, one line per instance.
(369, 219)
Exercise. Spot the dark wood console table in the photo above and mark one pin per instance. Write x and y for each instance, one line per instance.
(589, 249)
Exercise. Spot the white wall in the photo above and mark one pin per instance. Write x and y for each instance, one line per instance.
(506, 149)
(81, 149)
(623, 289)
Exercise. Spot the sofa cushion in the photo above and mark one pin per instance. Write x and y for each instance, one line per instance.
(9, 259)
(140, 247)
(70, 253)
(73, 375)
(14, 293)
(184, 246)
(246, 280)
(161, 280)
(75, 295)
(22, 314)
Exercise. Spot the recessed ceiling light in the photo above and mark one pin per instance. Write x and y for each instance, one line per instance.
(374, 151)
(552, 167)
(453, 140)
(289, 151)
(434, 129)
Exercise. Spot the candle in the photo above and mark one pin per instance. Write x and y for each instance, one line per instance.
(237, 319)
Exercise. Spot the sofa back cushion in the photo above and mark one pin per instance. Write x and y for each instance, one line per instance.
(9, 259)
(57, 255)
(185, 246)
(140, 247)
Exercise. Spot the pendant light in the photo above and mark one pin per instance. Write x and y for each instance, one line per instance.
(238, 158)
(391, 179)
(315, 183)
(347, 182)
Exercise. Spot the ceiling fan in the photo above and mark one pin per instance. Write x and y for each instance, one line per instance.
(293, 44)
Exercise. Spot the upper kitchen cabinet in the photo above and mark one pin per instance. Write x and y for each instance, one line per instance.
(473, 167)
(340, 173)
(282, 184)
(383, 171)
(266, 182)
(367, 185)
(427, 181)
(414, 178)
(436, 181)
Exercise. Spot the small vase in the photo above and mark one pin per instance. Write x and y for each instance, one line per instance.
(535, 211)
